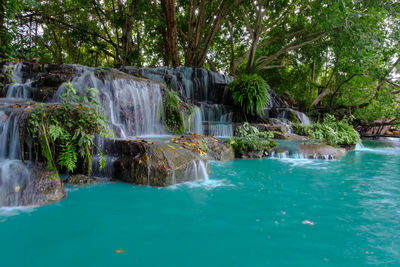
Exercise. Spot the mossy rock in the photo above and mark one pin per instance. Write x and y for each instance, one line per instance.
(247, 148)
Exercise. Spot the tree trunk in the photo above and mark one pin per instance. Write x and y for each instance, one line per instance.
(172, 30)
(2, 20)
(198, 41)
(127, 30)
(253, 49)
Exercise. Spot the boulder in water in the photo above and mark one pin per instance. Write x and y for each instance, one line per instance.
(22, 185)
(213, 148)
(45, 189)
(157, 163)
(219, 149)
(249, 148)
(321, 151)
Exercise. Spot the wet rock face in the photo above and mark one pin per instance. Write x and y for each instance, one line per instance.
(37, 189)
(157, 164)
(253, 154)
(80, 180)
(321, 151)
(48, 81)
(218, 149)
(291, 137)
(212, 147)
(266, 127)
(45, 189)
(194, 83)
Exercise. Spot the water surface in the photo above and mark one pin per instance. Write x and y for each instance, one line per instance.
(275, 212)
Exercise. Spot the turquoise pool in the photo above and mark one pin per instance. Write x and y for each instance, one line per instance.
(269, 212)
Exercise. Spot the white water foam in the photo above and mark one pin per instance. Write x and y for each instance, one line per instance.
(7, 212)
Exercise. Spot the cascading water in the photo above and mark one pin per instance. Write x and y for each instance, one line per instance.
(218, 118)
(15, 176)
(133, 107)
(16, 88)
(194, 122)
(199, 86)
(198, 170)
(9, 138)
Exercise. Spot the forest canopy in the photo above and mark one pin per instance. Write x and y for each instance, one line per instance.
(336, 56)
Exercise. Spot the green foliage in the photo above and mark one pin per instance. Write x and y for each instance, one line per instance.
(332, 131)
(174, 122)
(384, 107)
(250, 93)
(245, 144)
(248, 131)
(66, 131)
(248, 138)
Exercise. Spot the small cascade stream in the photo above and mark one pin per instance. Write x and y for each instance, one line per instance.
(133, 107)
(218, 119)
(17, 88)
(15, 176)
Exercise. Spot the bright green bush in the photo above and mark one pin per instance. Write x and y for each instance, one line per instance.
(332, 131)
(250, 93)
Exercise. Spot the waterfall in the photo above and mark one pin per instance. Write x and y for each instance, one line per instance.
(134, 107)
(194, 122)
(200, 86)
(16, 88)
(9, 134)
(15, 176)
(218, 118)
(198, 170)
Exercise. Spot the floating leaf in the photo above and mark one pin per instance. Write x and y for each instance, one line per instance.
(17, 188)
(120, 251)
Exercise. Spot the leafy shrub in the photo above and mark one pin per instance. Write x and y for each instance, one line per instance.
(249, 131)
(173, 118)
(248, 138)
(65, 132)
(244, 144)
(250, 93)
(332, 131)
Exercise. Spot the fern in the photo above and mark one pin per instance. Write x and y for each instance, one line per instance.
(250, 93)
(57, 132)
(68, 156)
(102, 161)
